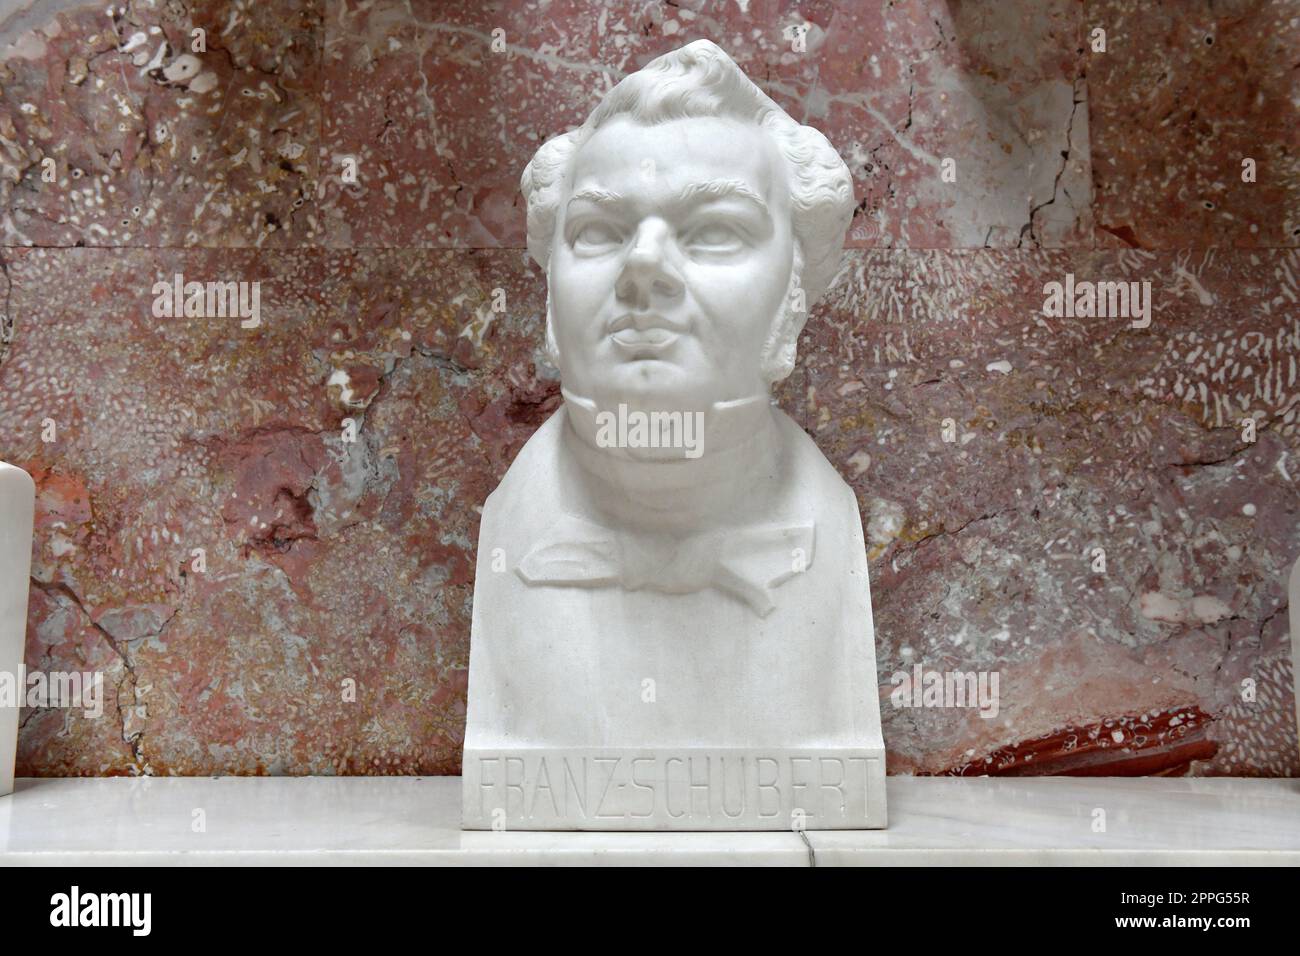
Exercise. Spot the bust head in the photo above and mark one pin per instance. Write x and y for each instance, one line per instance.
(685, 229)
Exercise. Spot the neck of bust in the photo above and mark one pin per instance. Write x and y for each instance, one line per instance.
(738, 454)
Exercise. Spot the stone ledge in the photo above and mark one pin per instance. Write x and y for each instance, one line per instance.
(412, 820)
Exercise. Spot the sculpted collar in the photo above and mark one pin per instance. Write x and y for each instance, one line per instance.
(747, 563)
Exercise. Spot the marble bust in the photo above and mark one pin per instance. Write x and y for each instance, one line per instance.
(672, 624)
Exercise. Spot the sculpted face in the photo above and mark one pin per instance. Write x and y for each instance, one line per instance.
(671, 263)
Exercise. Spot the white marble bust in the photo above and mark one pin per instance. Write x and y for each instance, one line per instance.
(672, 625)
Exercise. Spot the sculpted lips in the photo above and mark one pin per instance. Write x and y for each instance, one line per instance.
(644, 332)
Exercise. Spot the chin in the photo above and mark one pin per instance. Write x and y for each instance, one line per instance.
(656, 384)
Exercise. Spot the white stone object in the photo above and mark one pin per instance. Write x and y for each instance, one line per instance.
(17, 511)
(672, 621)
(404, 821)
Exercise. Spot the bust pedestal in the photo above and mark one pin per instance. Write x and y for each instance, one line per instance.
(660, 702)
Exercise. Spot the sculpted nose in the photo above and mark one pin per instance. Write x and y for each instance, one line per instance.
(647, 273)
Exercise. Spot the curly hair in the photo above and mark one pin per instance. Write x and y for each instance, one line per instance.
(699, 80)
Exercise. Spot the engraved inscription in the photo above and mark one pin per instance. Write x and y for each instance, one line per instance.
(544, 787)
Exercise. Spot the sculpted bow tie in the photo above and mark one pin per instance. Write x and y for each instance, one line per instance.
(745, 562)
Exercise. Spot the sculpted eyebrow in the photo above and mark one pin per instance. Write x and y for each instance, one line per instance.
(721, 189)
(597, 196)
(694, 193)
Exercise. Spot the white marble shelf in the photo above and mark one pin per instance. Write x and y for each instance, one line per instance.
(408, 820)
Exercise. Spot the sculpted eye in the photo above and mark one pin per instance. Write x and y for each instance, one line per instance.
(596, 235)
(715, 237)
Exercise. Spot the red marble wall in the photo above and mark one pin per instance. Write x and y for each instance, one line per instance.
(332, 565)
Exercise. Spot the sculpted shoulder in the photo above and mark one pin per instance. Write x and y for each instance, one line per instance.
(814, 470)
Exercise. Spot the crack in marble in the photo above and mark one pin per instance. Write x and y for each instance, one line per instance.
(134, 741)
